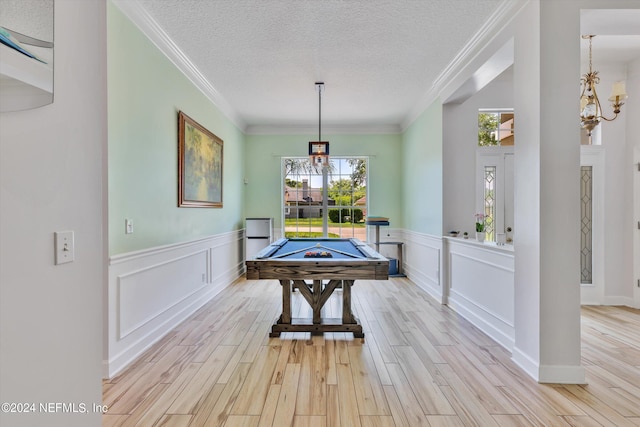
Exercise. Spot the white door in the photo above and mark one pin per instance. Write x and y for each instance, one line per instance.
(495, 188)
(508, 192)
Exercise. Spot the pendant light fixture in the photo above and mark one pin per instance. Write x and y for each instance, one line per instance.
(590, 109)
(319, 150)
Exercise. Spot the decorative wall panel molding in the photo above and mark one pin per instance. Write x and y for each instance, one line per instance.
(422, 259)
(151, 291)
(480, 286)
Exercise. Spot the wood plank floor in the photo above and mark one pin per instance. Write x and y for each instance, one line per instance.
(420, 364)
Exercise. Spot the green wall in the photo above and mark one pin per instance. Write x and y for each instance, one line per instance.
(422, 172)
(263, 171)
(145, 93)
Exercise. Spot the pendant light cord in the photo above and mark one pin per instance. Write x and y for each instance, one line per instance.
(320, 112)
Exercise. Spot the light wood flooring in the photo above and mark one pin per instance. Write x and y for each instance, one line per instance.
(420, 364)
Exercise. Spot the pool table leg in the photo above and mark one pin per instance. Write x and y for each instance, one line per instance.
(347, 314)
(285, 317)
(317, 297)
(315, 303)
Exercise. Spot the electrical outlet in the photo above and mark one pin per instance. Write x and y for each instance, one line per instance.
(128, 226)
(64, 247)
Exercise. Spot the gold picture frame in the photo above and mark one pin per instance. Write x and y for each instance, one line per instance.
(200, 164)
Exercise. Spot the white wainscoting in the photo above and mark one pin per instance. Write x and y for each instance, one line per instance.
(422, 261)
(151, 291)
(480, 281)
(474, 279)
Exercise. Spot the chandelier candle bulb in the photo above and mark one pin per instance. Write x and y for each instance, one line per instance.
(618, 95)
(618, 90)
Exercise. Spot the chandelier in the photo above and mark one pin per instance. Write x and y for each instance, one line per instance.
(319, 150)
(590, 109)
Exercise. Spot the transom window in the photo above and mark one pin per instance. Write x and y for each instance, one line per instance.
(309, 200)
(495, 127)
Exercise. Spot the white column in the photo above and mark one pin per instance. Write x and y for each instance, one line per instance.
(547, 293)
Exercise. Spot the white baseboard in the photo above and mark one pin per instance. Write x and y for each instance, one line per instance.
(527, 364)
(609, 300)
(492, 325)
(549, 374)
(560, 374)
(618, 300)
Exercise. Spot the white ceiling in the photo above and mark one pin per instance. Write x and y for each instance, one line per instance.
(617, 35)
(377, 58)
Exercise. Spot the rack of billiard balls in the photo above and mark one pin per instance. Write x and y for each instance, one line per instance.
(318, 254)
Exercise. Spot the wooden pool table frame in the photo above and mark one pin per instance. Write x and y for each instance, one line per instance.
(294, 273)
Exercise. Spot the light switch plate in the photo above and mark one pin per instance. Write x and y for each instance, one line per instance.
(128, 226)
(64, 247)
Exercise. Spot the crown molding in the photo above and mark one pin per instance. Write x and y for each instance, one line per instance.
(392, 129)
(133, 10)
(503, 14)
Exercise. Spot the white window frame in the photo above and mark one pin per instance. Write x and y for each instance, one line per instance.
(497, 111)
(285, 210)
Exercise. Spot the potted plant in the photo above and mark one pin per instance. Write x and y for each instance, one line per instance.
(480, 227)
(465, 235)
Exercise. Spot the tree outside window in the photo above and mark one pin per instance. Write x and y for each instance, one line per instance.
(495, 128)
(346, 197)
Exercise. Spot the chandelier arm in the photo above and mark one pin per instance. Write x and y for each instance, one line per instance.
(599, 114)
(597, 99)
(609, 120)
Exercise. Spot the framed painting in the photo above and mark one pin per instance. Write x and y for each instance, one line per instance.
(199, 165)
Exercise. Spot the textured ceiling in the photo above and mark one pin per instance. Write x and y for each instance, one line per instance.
(376, 57)
(30, 17)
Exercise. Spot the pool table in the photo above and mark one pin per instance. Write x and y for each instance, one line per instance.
(328, 264)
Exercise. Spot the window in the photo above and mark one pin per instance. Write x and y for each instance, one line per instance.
(309, 201)
(494, 183)
(586, 217)
(489, 204)
(592, 206)
(495, 127)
